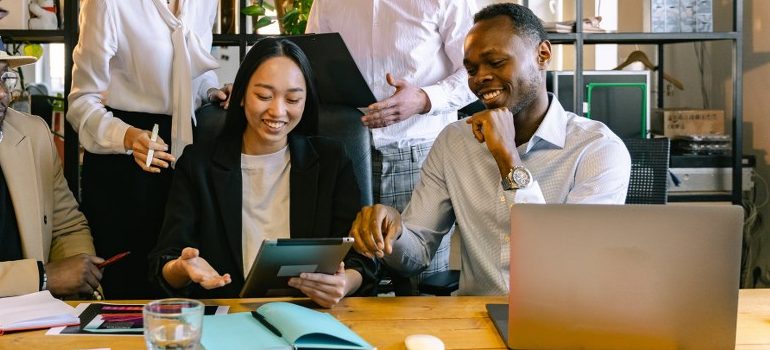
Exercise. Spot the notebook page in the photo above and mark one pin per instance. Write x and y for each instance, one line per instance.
(35, 310)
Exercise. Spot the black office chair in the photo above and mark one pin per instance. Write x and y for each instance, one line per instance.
(210, 120)
(42, 106)
(470, 109)
(441, 283)
(343, 123)
(649, 170)
(337, 122)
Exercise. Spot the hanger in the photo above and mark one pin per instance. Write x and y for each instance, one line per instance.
(641, 57)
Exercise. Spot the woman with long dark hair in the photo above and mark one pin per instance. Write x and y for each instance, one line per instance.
(263, 177)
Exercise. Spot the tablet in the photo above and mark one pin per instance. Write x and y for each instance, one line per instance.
(281, 259)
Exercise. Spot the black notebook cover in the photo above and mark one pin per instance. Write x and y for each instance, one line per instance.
(338, 79)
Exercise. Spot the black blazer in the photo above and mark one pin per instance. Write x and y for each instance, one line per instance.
(204, 208)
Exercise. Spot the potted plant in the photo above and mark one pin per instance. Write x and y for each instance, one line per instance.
(294, 16)
(257, 10)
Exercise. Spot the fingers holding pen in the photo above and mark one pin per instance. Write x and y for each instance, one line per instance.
(142, 147)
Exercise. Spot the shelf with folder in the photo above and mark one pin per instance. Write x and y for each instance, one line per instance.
(639, 38)
(655, 38)
(33, 36)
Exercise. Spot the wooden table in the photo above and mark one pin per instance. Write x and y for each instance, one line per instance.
(461, 322)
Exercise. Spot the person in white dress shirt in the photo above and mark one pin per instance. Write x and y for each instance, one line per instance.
(137, 64)
(525, 148)
(410, 54)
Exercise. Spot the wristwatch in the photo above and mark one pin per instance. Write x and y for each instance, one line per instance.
(518, 178)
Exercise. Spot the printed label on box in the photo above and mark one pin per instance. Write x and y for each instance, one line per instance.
(674, 122)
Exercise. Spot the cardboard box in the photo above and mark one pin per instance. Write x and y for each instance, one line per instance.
(14, 14)
(671, 122)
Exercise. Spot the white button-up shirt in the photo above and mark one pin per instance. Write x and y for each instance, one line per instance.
(124, 60)
(418, 41)
(573, 159)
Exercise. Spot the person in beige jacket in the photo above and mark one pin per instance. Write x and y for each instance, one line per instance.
(45, 242)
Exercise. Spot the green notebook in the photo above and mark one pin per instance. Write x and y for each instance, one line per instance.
(278, 325)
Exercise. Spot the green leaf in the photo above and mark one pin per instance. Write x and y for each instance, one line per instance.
(253, 10)
(290, 15)
(263, 21)
(268, 6)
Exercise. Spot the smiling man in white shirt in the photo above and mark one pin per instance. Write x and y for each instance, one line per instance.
(525, 148)
(410, 54)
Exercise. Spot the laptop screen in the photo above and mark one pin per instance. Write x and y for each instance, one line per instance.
(624, 276)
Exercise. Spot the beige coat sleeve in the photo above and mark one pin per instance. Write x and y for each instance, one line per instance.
(19, 277)
(70, 234)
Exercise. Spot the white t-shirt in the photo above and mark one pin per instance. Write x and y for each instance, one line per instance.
(265, 209)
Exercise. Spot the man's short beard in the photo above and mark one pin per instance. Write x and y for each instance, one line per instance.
(531, 87)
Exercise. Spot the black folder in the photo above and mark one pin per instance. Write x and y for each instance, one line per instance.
(338, 79)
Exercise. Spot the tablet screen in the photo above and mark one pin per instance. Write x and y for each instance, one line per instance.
(281, 259)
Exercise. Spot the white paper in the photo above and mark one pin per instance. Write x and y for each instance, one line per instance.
(35, 310)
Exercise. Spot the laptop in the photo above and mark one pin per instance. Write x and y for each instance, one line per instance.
(622, 277)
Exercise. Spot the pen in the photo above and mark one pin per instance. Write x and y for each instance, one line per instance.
(265, 323)
(153, 138)
(113, 259)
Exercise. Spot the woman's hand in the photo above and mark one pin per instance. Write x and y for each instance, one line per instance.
(221, 95)
(327, 290)
(138, 141)
(190, 267)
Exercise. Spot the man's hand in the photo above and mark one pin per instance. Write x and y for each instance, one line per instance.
(77, 274)
(407, 101)
(221, 95)
(191, 267)
(369, 226)
(326, 290)
(138, 141)
(495, 128)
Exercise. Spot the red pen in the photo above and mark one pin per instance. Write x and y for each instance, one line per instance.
(113, 259)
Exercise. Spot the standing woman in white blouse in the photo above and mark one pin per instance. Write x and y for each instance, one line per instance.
(137, 63)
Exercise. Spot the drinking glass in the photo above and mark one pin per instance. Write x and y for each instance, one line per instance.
(173, 324)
